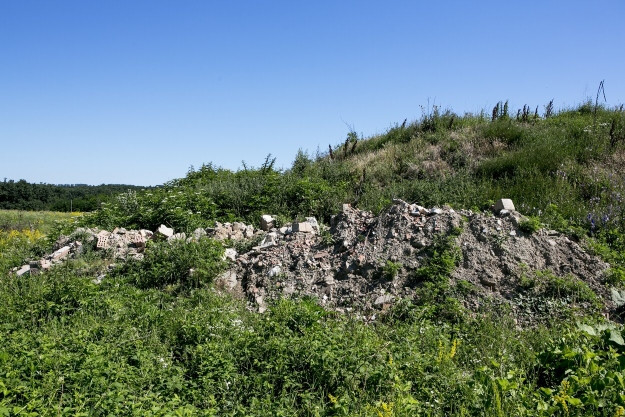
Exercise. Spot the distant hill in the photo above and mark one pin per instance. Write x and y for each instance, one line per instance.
(22, 195)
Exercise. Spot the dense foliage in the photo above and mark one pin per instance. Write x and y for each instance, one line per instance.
(131, 346)
(21, 195)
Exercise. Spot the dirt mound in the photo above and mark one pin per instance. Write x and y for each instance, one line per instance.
(364, 263)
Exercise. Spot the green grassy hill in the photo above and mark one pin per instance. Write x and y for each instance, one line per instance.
(567, 168)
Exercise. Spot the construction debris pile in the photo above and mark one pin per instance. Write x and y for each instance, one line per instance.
(345, 266)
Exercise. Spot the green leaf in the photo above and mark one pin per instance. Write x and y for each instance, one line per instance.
(615, 336)
(587, 329)
(574, 401)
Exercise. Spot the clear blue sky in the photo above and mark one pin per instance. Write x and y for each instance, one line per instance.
(137, 91)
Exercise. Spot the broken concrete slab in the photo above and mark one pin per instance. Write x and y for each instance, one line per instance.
(164, 232)
(303, 227)
(267, 222)
(61, 253)
(504, 204)
(23, 270)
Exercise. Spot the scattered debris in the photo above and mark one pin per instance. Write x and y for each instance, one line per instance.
(348, 271)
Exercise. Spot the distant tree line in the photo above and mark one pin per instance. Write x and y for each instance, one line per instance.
(22, 195)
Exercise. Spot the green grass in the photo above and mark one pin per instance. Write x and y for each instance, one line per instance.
(26, 235)
(44, 221)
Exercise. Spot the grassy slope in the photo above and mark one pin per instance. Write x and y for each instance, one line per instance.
(142, 344)
(563, 168)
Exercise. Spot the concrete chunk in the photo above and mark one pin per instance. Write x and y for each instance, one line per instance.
(138, 241)
(61, 253)
(230, 253)
(267, 222)
(177, 236)
(313, 222)
(275, 271)
(303, 227)
(504, 204)
(164, 231)
(227, 280)
(198, 233)
(383, 299)
(147, 234)
(23, 270)
(270, 240)
(248, 232)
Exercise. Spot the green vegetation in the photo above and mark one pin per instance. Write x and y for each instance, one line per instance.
(43, 221)
(176, 264)
(128, 347)
(25, 235)
(391, 269)
(21, 195)
(435, 292)
(155, 338)
(546, 284)
(530, 225)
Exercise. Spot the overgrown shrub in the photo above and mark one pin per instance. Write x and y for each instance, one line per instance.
(181, 263)
(530, 225)
(547, 284)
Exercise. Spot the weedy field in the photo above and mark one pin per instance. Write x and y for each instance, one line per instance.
(151, 339)
(22, 234)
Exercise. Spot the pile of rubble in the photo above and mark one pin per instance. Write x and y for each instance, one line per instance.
(123, 244)
(346, 266)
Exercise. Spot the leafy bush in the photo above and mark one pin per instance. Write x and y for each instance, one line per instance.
(530, 225)
(615, 276)
(186, 264)
(547, 284)
(444, 255)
